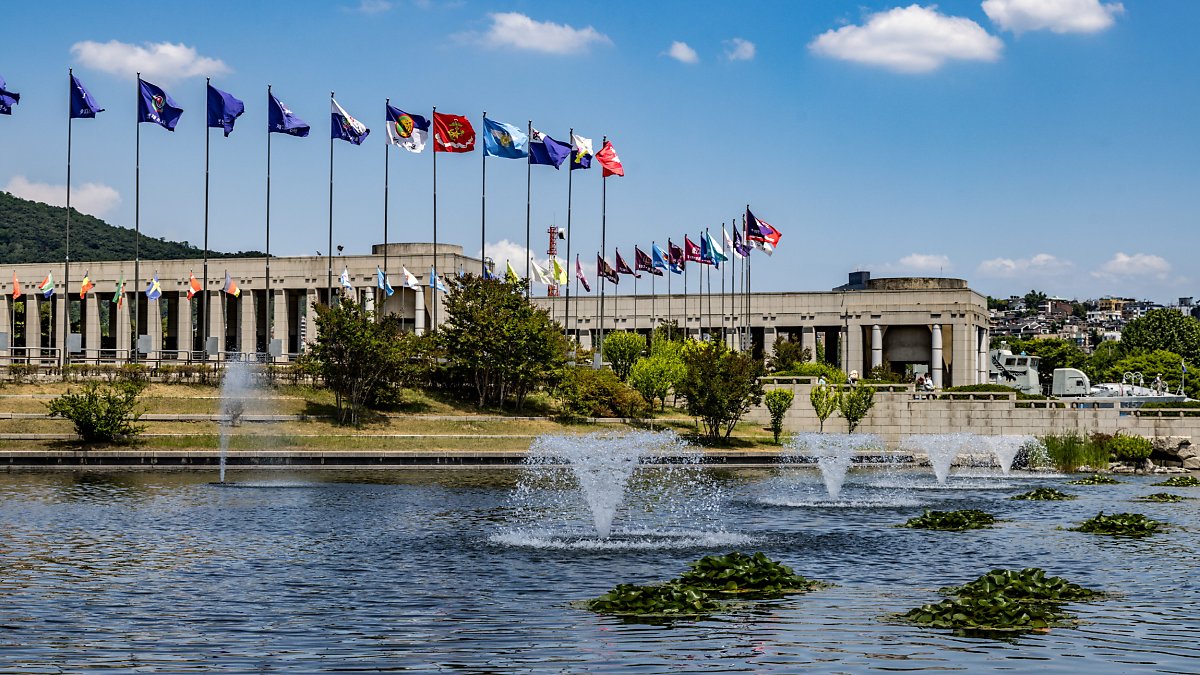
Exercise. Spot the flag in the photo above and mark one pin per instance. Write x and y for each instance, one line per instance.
(718, 254)
(581, 276)
(223, 109)
(82, 103)
(7, 98)
(406, 131)
(734, 248)
(691, 252)
(16, 287)
(581, 152)
(156, 106)
(643, 263)
(658, 258)
(119, 293)
(559, 272)
(487, 273)
(410, 279)
(47, 285)
(343, 126)
(280, 120)
(510, 275)
(546, 150)
(504, 140)
(231, 287)
(605, 271)
(706, 256)
(86, 286)
(761, 234)
(739, 248)
(609, 161)
(153, 289)
(381, 281)
(676, 258)
(452, 133)
(344, 280)
(542, 275)
(434, 282)
(194, 286)
(623, 267)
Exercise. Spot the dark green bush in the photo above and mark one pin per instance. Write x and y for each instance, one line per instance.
(588, 392)
(101, 414)
(1130, 448)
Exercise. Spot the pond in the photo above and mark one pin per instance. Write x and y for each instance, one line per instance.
(475, 570)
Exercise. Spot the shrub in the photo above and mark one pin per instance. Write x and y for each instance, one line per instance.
(824, 400)
(787, 355)
(778, 401)
(855, 403)
(1130, 448)
(598, 393)
(832, 375)
(621, 350)
(719, 385)
(656, 375)
(101, 414)
(1068, 452)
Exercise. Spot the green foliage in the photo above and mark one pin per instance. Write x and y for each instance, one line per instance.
(1030, 584)
(855, 403)
(358, 357)
(669, 600)
(738, 573)
(1070, 451)
(498, 343)
(986, 616)
(32, 233)
(831, 374)
(668, 331)
(1149, 364)
(1120, 524)
(881, 374)
(1095, 479)
(824, 400)
(101, 414)
(1179, 481)
(719, 385)
(1052, 352)
(1163, 330)
(621, 350)
(1162, 498)
(1044, 495)
(786, 355)
(588, 392)
(992, 389)
(1130, 448)
(1102, 359)
(1033, 299)
(778, 401)
(655, 376)
(952, 521)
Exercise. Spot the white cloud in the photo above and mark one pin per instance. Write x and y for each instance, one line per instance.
(926, 262)
(374, 6)
(1059, 16)
(680, 51)
(1136, 265)
(738, 49)
(911, 39)
(504, 251)
(162, 61)
(1040, 265)
(515, 30)
(92, 198)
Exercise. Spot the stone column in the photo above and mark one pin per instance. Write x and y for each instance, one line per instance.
(280, 328)
(216, 320)
(91, 326)
(154, 327)
(854, 350)
(770, 334)
(984, 364)
(248, 322)
(310, 316)
(808, 338)
(876, 346)
(124, 343)
(6, 322)
(185, 335)
(419, 310)
(62, 321)
(33, 326)
(935, 358)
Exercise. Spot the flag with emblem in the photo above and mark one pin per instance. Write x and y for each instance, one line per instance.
(559, 272)
(153, 289)
(762, 235)
(344, 280)
(606, 271)
(644, 263)
(610, 163)
(156, 106)
(381, 281)
(223, 109)
(581, 152)
(410, 279)
(624, 268)
(581, 276)
(343, 126)
(658, 257)
(405, 130)
(119, 293)
(691, 251)
(47, 285)
(86, 285)
(504, 140)
(543, 276)
(452, 133)
(280, 120)
(194, 286)
(676, 259)
(8, 98)
(231, 287)
(546, 150)
(510, 275)
(82, 103)
(434, 282)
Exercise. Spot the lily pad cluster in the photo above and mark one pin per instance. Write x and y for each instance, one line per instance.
(952, 521)
(699, 590)
(1180, 481)
(1003, 602)
(1044, 495)
(1162, 498)
(1095, 479)
(1120, 524)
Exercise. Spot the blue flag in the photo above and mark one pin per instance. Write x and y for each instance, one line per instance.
(156, 107)
(504, 140)
(405, 130)
(657, 257)
(280, 120)
(223, 109)
(82, 103)
(546, 150)
(434, 282)
(154, 289)
(381, 281)
(345, 127)
(7, 98)
(706, 256)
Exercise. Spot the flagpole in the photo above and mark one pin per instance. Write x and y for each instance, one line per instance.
(708, 276)
(685, 293)
(603, 252)
(329, 252)
(483, 206)
(204, 272)
(653, 295)
(528, 178)
(730, 259)
(433, 269)
(570, 178)
(670, 300)
(387, 146)
(67, 262)
(137, 225)
(267, 261)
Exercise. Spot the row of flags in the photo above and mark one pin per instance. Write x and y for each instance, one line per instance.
(153, 287)
(451, 133)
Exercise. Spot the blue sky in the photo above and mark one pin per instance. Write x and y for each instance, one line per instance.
(1019, 144)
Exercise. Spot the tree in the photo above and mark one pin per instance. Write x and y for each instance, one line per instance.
(1163, 329)
(778, 402)
(622, 349)
(1102, 359)
(101, 414)
(719, 385)
(1053, 353)
(498, 343)
(1033, 299)
(824, 400)
(1152, 364)
(668, 330)
(786, 354)
(357, 356)
(656, 375)
(854, 404)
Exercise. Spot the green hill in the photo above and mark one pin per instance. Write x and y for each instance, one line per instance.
(33, 232)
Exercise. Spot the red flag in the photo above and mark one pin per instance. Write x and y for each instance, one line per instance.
(16, 287)
(452, 133)
(610, 161)
(605, 271)
(194, 286)
(691, 251)
(623, 267)
(581, 276)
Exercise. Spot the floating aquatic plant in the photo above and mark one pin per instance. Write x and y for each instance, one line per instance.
(1095, 479)
(668, 600)
(1044, 495)
(1030, 584)
(1120, 524)
(988, 615)
(1180, 481)
(741, 573)
(1161, 498)
(952, 521)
